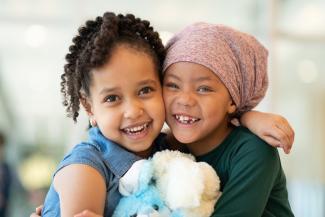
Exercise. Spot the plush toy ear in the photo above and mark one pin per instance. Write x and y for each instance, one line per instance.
(129, 183)
(146, 176)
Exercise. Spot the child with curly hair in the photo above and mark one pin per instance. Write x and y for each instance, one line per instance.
(114, 69)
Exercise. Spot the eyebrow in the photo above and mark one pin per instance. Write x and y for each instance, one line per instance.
(147, 81)
(205, 78)
(173, 76)
(113, 89)
(108, 90)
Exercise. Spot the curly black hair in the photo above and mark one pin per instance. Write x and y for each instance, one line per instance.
(93, 46)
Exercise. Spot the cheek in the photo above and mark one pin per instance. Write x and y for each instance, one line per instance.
(155, 108)
(168, 97)
(108, 116)
(160, 109)
(213, 106)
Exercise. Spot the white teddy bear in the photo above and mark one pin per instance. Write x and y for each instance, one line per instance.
(186, 188)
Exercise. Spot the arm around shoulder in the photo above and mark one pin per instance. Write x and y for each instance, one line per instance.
(272, 128)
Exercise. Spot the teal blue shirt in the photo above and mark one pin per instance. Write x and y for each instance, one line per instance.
(108, 158)
(252, 179)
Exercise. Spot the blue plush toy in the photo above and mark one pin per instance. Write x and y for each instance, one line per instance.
(144, 201)
(171, 184)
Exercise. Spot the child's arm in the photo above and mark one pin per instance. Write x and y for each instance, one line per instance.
(80, 187)
(272, 128)
(87, 213)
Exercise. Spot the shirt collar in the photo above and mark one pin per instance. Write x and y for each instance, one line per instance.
(118, 159)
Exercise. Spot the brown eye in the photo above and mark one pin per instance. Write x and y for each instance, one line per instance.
(171, 85)
(204, 89)
(145, 90)
(112, 98)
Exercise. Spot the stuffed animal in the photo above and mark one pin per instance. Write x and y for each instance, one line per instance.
(170, 184)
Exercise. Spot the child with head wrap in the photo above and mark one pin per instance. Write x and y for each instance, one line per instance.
(213, 73)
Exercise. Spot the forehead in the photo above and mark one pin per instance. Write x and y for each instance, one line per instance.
(125, 66)
(191, 71)
(123, 50)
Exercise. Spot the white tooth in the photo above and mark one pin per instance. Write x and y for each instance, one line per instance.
(136, 129)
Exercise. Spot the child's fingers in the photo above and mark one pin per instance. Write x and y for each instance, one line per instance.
(276, 143)
(272, 141)
(38, 210)
(284, 125)
(235, 122)
(289, 133)
(280, 135)
(287, 129)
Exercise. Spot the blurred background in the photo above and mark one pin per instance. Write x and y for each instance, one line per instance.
(35, 36)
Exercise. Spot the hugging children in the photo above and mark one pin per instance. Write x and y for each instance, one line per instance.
(211, 73)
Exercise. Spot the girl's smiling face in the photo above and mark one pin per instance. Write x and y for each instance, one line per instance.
(126, 100)
(197, 106)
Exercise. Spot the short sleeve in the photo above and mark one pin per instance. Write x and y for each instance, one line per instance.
(86, 154)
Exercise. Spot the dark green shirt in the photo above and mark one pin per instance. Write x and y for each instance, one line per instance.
(252, 179)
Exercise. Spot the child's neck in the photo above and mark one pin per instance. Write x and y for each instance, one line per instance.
(146, 153)
(210, 141)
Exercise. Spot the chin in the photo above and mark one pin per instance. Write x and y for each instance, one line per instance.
(184, 139)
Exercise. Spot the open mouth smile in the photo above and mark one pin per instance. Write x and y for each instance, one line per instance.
(185, 119)
(137, 131)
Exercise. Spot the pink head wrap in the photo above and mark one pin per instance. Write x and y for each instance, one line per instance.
(238, 59)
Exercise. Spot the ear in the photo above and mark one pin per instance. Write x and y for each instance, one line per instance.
(231, 107)
(86, 104)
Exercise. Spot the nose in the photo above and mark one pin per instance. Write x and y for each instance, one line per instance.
(186, 99)
(133, 109)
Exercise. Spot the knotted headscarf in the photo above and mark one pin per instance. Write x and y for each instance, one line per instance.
(237, 58)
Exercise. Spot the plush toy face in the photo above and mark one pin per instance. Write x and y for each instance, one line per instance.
(142, 200)
(171, 184)
(146, 203)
